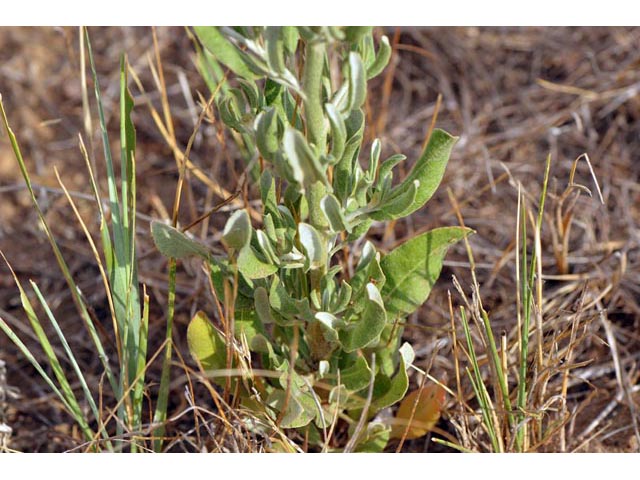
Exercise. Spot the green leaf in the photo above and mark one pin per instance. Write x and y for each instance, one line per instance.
(429, 169)
(206, 344)
(368, 269)
(370, 324)
(407, 352)
(359, 230)
(263, 309)
(305, 166)
(290, 36)
(374, 158)
(251, 93)
(247, 324)
(267, 139)
(394, 390)
(388, 165)
(225, 51)
(375, 438)
(274, 41)
(343, 181)
(253, 267)
(357, 376)
(237, 231)
(272, 91)
(285, 305)
(341, 300)
(173, 243)
(412, 269)
(314, 247)
(381, 60)
(338, 131)
(301, 408)
(357, 81)
(394, 207)
(354, 34)
(333, 212)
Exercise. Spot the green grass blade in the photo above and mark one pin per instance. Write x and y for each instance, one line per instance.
(138, 390)
(497, 365)
(478, 385)
(8, 331)
(75, 292)
(119, 243)
(524, 333)
(70, 399)
(160, 415)
(72, 359)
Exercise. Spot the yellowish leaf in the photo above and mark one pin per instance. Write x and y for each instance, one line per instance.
(428, 403)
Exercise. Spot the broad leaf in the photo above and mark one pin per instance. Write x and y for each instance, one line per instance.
(357, 81)
(426, 405)
(174, 244)
(305, 166)
(333, 212)
(205, 343)
(357, 376)
(412, 269)
(382, 58)
(429, 169)
(224, 51)
(393, 390)
(237, 231)
(253, 267)
(370, 324)
(267, 139)
(314, 246)
(375, 438)
(394, 207)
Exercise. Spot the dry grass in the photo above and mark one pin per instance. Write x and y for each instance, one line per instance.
(513, 95)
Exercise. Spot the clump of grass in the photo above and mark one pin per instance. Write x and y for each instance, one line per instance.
(520, 378)
(119, 426)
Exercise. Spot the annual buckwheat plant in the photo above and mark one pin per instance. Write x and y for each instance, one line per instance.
(303, 297)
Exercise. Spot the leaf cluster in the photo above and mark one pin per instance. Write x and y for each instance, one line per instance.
(325, 316)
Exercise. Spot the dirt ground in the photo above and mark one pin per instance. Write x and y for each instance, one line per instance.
(513, 95)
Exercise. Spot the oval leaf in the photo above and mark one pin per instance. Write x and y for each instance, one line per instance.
(429, 169)
(369, 326)
(428, 403)
(252, 267)
(305, 166)
(333, 211)
(174, 244)
(205, 343)
(225, 51)
(237, 231)
(412, 269)
(314, 247)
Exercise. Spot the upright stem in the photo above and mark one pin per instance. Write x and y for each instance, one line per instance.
(315, 52)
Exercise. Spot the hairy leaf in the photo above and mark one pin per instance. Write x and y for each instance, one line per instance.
(413, 268)
(370, 324)
(429, 169)
(174, 244)
(224, 51)
(237, 231)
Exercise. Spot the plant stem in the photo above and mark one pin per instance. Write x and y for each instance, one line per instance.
(315, 53)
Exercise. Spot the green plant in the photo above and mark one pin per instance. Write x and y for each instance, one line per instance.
(302, 295)
(129, 310)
